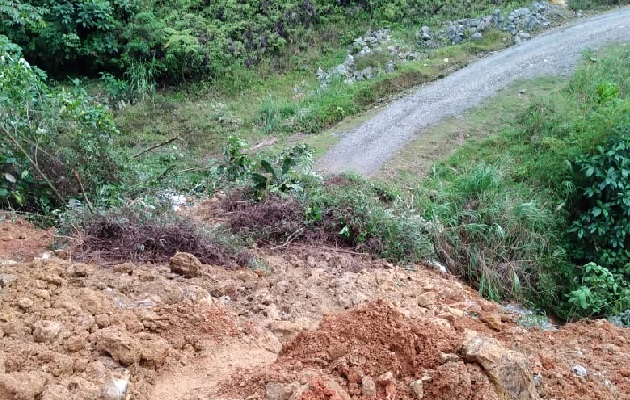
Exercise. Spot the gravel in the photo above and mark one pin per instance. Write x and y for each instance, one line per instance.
(366, 148)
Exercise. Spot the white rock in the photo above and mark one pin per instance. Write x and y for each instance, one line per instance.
(579, 371)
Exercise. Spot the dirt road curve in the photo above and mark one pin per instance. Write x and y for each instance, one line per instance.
(370, 145)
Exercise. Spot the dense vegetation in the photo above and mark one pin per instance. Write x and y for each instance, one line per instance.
(179, 40)
(537, 213)
(541, 209)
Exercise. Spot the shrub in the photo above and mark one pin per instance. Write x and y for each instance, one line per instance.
(77, 37)
(601, 292)
(55, 144)
(286, 172)
(602, 204)
(370, 218)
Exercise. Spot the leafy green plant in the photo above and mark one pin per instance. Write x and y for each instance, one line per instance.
(601, 292)
(287, 172)
(603, 202)
(55, 143)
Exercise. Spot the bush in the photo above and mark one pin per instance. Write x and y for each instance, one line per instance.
(56, 144)
(184, 40)
(602, 203)
(371, 218)
(76, 37)
(284, 173)
(601, 292)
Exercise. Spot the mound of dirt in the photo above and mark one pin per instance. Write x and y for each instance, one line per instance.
(311, 323)
(71, 330)
(374, 351)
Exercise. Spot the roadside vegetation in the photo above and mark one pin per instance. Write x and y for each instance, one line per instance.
(141, 103)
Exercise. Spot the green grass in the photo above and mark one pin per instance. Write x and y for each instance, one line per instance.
(496, 115)
(256, 104)
(504, 199)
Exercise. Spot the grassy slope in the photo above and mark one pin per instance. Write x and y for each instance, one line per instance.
(502, 197)
(256, 104)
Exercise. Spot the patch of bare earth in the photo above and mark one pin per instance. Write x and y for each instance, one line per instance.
(314, 324)
(20, 240)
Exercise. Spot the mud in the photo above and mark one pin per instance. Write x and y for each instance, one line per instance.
(309, 323)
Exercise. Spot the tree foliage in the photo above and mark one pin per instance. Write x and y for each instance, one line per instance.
(54, 143)
(189, 39)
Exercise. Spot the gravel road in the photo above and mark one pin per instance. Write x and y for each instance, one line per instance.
(366, 148)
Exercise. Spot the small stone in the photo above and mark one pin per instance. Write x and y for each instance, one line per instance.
(125, 268)
(417, 389)
(387, 377)
(477, 36)
(46, 331)
(25, 303)
(118, 344)
(611, 348)
(449, 357)
(153, 349)
(102, 320)
(579, 371)
(274, 391)
(116, 386)
(78, 270)
(6, 280)
(426, 300)
(493, 321)
(74, 343)
(368, 386)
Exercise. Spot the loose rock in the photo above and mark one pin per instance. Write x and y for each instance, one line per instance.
(417, 389)
(185, 264)
(508, 370)
(46, 331)
(368, 386)
(579, 371)
(118, 344)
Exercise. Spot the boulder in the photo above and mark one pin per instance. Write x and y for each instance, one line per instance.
(508, 370)
(185, 264)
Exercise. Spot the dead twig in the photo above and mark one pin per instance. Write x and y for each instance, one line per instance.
(33, 163)
(290, 239)
(87, 201)
(155, 146)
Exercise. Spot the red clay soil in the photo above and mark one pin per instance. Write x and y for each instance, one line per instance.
(20, 240)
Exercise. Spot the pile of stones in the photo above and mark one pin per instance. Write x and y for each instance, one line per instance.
(377, 52)
(378, 47)
(519, 23)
